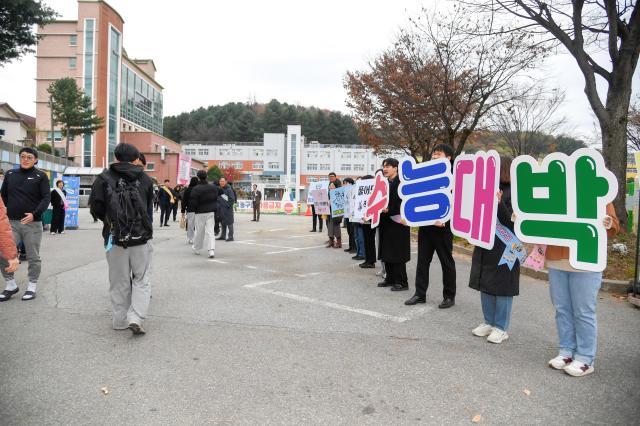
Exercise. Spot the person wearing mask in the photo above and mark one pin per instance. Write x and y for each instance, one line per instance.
(225, 207)
(120, 197)
(497, 283)
(166, 200)
(574, 294)
(25, 193)
(395, 245)
(190, 214)
(256, 199)
(436, 238)
(59, 205)
(203, 200)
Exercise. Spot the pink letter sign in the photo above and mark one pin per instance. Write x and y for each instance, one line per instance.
(378, 200)
(476, 180)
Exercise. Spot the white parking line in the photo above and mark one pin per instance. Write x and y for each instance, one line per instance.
(418, 311)
(293, 249)
(258, 286)
(251, 267)
(310, 274)
(266, 245)
(277, 229)
(217, 261)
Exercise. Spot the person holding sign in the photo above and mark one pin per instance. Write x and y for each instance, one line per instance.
(333, 222)
(496, 279)
(395, 243)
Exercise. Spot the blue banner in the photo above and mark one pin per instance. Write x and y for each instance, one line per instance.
(72, 186)
(338, 200)
(514, 249)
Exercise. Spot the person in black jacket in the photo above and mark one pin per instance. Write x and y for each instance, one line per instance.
(203, 200)
(25, 192)
(190, 214)
(436, 238)
(225, 209)
(395, 250)
(497, 283)
(59, 205)
(129, 261)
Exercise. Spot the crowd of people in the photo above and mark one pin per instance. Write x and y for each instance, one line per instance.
(573, 292)
(124, 198)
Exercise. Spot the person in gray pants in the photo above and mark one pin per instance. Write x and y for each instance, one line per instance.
(121, 197)
(25, 192)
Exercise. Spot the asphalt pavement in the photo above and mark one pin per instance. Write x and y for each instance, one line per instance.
(278, 329)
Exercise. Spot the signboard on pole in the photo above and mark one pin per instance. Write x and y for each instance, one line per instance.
(72, 187)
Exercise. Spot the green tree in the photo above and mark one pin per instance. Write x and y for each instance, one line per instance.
(17, 26)
(45, 147)
(214, 173)
(71, 109)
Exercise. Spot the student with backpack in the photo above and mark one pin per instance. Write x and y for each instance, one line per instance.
(120, 197)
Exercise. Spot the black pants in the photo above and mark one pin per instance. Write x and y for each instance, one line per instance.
(440, 242)
(396, 273)
(256, 210)
(369, 244)
(174, 209)
(57, 220)
(165, 212)
(316, 218)
(351, 233)
(216, 227)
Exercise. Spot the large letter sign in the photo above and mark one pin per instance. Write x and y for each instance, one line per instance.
(476, 183)
(425, 190)
(563, 202)
(378, 200)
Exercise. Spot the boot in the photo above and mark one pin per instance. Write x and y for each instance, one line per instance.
(338, 243)
(330, 243)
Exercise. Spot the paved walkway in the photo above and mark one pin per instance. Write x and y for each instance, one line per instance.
(279, 330)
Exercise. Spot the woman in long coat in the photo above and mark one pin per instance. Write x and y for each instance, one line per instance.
(226, 200)
(58, 202)
(497, 283)
(395, 250)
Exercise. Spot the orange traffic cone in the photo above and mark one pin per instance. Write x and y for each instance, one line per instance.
(308, 212)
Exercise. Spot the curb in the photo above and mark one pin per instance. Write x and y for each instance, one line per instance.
(610, 286)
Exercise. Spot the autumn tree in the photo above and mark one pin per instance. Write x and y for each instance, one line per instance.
(584, 28)
(231, 174)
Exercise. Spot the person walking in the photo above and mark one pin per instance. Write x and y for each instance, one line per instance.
(203, 201)
(574, 294)
(25, 193)
(436, 238)
(190, 214)
(9, 261)
(225, 207)
(498, 284)
(166, 200)
(395, 245)
(59, 205)
(120, 197)
(256, 199)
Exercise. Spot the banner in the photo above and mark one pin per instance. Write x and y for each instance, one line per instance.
(313, 186)
(360, 197)
(72, 186)
(287, 207)
(184, 169)
(378, 200)
(338, 200)
(321, 201)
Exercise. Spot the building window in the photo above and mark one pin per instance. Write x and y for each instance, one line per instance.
(325, 166)
(258, 153)
(358, 167)
(372, 167)
(73, 62)
(73, 40)
(324, 178)
(258, 165)
(223, 165)
(57, 136)
(312, 167)
(112, 95)
(358, 155)
(272, 152)
(325, 154)
(312, 154)
(190, 151)
(237, 165)
(312, 179)
(274, 166)
(345, 168)
(237, 152)
(151, 166)
(346, 156)
(203, 151)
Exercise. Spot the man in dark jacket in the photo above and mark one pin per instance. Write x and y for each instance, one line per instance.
(256, 198)
(129, 260)
(436, 238)
(25, 192)
(167, 200)
(203, 201)
(225, 209)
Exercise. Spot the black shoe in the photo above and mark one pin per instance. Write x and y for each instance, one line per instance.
(384, 284)
(357, 258)
(313, 230)
(6, 295)
(414, 300)
(22, 257)
(229, 239)
(221, 238)
(400, 287)
(253, 220)
(366, 265)
(348, 250)
(29, 295)
(166, 224)
(446, 303)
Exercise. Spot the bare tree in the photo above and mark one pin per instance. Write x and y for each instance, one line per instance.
(584, 27)
(633, 131)
(528, 118)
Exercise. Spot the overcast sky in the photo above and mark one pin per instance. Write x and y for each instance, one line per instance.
(211, 52)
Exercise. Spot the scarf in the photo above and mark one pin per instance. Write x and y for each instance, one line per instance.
(62, 196)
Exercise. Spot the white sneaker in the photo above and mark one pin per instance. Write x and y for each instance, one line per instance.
(190, 242)
(211, 256)
(497, 336)
(578, 369)
(483, 330)
(559, 362)
(194, 250)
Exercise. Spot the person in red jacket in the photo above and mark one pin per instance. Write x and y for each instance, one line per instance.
(9, 259)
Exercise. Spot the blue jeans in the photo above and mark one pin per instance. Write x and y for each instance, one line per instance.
(359, 239)
(496, 310)
(574, 295)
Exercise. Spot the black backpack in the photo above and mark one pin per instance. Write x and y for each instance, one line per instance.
(126, 212)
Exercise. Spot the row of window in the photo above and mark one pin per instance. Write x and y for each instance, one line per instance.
(343, 167)
(230, 152)
(344, 155)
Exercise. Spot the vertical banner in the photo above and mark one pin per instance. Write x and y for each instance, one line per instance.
(360, 197)
(321, 201)
(338, 200)
(72, 187)
(476, 182)
(378, 200)
(425, 190)
(562, 202)
(184, 169)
